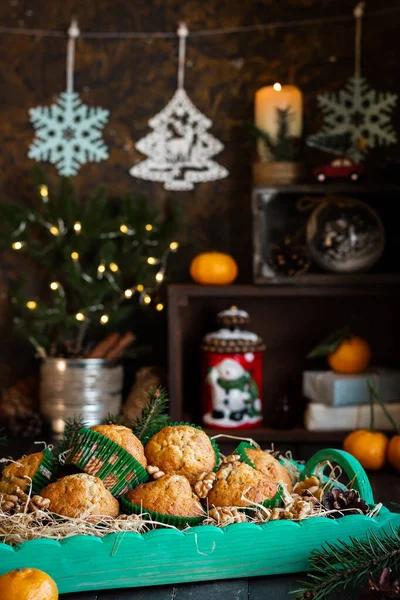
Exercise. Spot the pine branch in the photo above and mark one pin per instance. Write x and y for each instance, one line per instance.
(348, 564)
(71, 429)
(153, 417)
(114, 419)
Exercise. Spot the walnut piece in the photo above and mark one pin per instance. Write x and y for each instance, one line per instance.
(204, 484)
(231, 458)
(225, 515)
(154, 471)
(310, 487)
(19, 502)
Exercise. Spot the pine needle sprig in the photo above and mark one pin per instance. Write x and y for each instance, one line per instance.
(153, 417)
(348, 564)
(112, 419)
(71, 429)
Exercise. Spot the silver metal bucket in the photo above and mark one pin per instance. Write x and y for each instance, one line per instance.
(85, 387)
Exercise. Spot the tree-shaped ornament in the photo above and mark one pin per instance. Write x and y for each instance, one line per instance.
(356, 112)
(179, 149)
(68, 133)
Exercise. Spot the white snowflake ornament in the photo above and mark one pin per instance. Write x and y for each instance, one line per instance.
(68, 133)
(179, 149)
(363, 112)
(357, 111)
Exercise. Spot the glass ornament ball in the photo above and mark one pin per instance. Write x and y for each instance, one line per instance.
(345, 235)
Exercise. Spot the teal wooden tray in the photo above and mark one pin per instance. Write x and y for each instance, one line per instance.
(200, 553)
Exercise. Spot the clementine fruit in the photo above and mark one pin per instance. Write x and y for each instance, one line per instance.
(27, 584)
(213, 268)
(393, 452)
(368, 447)
(351, 357)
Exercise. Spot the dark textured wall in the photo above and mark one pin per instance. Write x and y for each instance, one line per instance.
(135, 79)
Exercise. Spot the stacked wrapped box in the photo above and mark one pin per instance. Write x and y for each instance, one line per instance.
(342, 401)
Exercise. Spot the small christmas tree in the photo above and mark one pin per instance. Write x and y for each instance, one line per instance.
(336, 143)
(99, 262)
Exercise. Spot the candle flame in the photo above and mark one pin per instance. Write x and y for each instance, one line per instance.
(277, 87)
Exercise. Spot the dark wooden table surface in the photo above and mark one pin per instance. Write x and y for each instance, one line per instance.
(386, 486)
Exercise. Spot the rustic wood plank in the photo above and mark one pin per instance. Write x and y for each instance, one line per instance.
(163, 592)
(280, 587)
(235, 589)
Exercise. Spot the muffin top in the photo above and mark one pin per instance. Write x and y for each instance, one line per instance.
(170, 495)
(80, 495)
(236, 480)
(181, 450)
(124, 437)
(23, 470)
(267, 464)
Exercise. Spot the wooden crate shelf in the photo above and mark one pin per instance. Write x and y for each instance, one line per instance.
(291, 319)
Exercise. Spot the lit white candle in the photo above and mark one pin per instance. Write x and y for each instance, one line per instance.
(269, 101)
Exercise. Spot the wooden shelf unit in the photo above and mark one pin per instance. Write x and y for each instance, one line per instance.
(291, 319)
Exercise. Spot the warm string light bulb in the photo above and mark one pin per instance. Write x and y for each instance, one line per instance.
(54, 230)
(104, 319)
(54, 285)
(44, 192)
(74, 255)
(151, 260)
(78, 227)
(123, 228)
(147, 299)
(17, 245)
(174, 246)
(101, 268)
(160, 307)
(80, 316)
(140, 287)
(31, 305)
(128, 293)
(159, 276)
(149, 227)
(113, 267)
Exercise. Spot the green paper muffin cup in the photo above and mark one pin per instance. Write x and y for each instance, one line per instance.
(134, 509)
(97, 455)
(241, 451)
(45, 473)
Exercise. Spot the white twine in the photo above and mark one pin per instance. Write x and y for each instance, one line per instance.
(358, 15)
(146, 35)
(73, 34)
(182, 33)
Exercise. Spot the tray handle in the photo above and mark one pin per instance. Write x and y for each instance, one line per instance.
(350, 466)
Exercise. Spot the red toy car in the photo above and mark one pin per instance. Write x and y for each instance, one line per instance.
(340, 168)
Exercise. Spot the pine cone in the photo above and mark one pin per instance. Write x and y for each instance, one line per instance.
(344, 502)
(225, 515)
(384, 587)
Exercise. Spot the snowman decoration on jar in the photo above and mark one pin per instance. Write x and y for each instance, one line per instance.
(232, 373)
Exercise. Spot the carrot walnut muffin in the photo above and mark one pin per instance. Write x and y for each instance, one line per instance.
(168, 495)
(181, 450)
(34, 468)
(238, 484)
(124, 437)
(80, 495)
(267, 464)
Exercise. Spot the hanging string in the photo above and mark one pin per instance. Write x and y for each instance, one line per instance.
(73, 34)
(358, 14)
(131, 35)
(182, 33)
